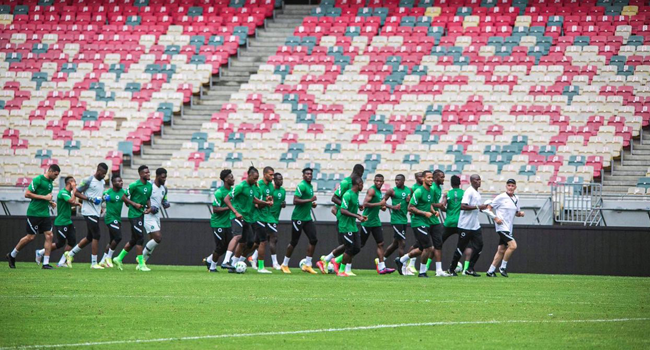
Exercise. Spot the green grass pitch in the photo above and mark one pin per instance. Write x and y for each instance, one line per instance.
(175, 307)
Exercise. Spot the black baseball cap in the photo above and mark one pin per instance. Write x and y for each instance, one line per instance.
(511, 181)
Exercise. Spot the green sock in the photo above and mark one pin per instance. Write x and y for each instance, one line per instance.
(466, 265)
(341, 268)
(428, 264)
(260, 264)
(338, 259)
(140, 260)
(123, 253)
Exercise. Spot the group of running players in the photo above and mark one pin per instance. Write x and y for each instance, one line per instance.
(245, 218)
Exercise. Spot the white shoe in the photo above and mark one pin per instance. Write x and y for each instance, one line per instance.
(253, 263)
(263, 271)
(277, 267)
(62, 265)
(96, 267)
(408, 272)
(405, 270)
(442, 274)
(38, 258)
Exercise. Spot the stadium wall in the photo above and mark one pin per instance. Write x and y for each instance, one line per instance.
(542, 249)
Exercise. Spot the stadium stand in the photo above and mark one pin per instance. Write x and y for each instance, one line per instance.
(540, 91)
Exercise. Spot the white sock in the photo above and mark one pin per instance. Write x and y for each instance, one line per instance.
(423, 268)
(329, 257)
(404, 259)
(274, 257)
(75, 250)
(148, 249)
(348, 268)
(209, 259)
(62, 260)
(213, 264)
(438, 266)
(308, 260)
(382, 265)
(93, 259)
(41, 252)
(255, 255)
(412, 262)
(46, 260)
(504, 264)
(227, 257)
(286, 261)
(492, 268)
(14, 253)
(103, 259)
(110, 253)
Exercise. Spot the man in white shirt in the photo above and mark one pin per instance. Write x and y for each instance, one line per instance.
(470, 241)
(506, 208)
(152, 220)
(91, 192)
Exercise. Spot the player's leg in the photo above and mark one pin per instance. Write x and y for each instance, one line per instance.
(90, 227)
(261, 249)
(243, 242)
(154, 230)
(464, 240)
(436, 237)
(31, 232)
(309, 228)
(421, 239)
(93, 226)
(507, 246)
(115, 234)
(477, 242)
(237, 229)
(378, 235)
(60, 235)
(399, 237)
(498, 256)
(48, 248)
(296, 229)
(136, 234)
(139, 247)
(272, 232)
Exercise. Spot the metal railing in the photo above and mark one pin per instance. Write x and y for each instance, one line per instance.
(579, 203)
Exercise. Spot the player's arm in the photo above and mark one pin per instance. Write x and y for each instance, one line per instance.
(216, 205)
(389, 194)
(147, 210)
(71, 199)
(228, 201)
(443, 202)
(415, 211)
(260, 203)
(284, 204)
(434, 210)
(351, 214)
(465, 206)
(131, 203)
(369, 195)
(336, 199)
(79, 192)
(29, 193)
(298, 201)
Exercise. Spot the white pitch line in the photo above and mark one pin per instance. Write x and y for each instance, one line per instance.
(323, 330)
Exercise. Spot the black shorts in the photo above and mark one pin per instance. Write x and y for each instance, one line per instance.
(449, 231)
(261, 230)
(115, 230)
(376, 232)
(137, 230)
(37, 224)
(237, 227)
(222, 236)
(470, 239)
(65, 235)
(308, 227)
(422, 237)
(92, 223)
(247, 234)
(351, 241)
(505, 237)
(399, 232)
(271, 229)
(435, 231)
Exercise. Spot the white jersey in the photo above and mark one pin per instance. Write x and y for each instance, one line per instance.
(468, 219)
(157, 196)
(91, 188)
(505, 208)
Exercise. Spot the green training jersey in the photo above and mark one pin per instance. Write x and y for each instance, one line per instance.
(222, 218)
(264, 214)
(41, 186)
(63, 208)
(242, 199)
(302, 212)
(350, 202)
(279, 196)
(344, 186)
(437, 193)
(421, 200)
(373, 213)
(400, 196)
(140, 193)
(454, 199)
(114, 205)
(415, 187)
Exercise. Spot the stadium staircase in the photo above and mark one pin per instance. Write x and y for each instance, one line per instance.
(633, 165)
(248, 61)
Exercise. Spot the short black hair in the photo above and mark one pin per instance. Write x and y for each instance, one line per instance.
(67, 179)
(356, 180)
(54, 167)
(224, 174)
(455, 181)
(358, 169)
(252, 170)
(379, 175)
(437, 171)
(161, 171)
(115, 177)
(400, 175)
(307, 169)
(142, 168)
(267, 169)
(424, 173)
(103, 166)
(277, 175)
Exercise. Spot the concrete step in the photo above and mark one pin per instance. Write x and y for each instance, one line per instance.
(631, 167)
(627, 178)
(169, 141)
(615, 189)
(643, 152)
(642, 147)
(635, 162)
(619, 183)
(626, 172)
(636, 156)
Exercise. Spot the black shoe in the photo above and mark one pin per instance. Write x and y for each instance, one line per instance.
(215, 270)
(399, 265)
(491, 274)
(471, 273)
(424, 274)
(207, 264)
(47, 267)
(503, 272)
(232, 270)
(12, 261)
(452, 273)
(227, 266)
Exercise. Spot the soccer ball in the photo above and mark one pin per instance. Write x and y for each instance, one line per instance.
(302, 263)
(459, 268)
(330, 269)
(240, 267)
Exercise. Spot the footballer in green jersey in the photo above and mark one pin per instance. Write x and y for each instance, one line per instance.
(347, 225)
(400, 195)
(372, 204)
